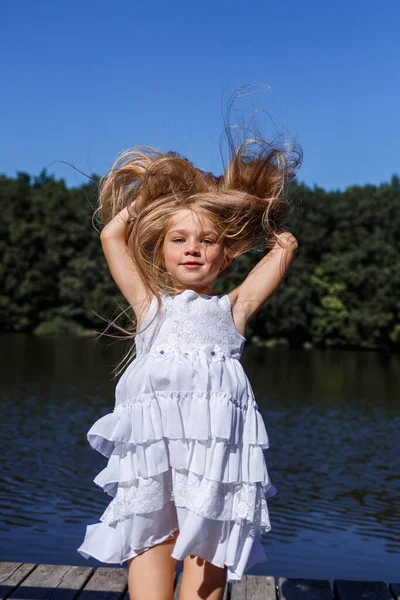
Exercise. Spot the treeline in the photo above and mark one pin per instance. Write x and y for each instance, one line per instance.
(342, 289)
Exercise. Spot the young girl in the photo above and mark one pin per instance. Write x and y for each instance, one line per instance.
(186, 441)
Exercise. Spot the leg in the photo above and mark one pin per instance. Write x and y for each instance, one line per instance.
(201, 579)
(151, 574)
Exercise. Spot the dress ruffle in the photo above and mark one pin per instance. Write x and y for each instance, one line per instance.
(179, 415)
(191, 461)
(235, 545)
(214, 459)
(207, 498)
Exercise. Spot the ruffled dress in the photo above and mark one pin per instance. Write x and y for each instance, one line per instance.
(185, 444)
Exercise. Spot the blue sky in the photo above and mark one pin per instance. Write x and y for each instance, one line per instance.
(82, 81)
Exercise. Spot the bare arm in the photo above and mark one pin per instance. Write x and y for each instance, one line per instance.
(263, 280)
(121, 264)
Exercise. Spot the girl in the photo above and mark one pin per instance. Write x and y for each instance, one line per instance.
(185, 441)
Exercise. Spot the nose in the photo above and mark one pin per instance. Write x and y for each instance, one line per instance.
(192, 247)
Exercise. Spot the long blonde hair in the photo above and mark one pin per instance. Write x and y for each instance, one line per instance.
(248, 203)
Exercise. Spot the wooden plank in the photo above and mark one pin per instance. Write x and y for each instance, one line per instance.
(72, 582)
(106, 584)
(60, 582)
(178, 582)
(304, 589)
(11, 575)
(40, 583)
(345, 589)
(254, 587)
(395, 590)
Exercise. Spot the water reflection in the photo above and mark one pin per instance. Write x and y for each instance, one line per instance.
(332, 419)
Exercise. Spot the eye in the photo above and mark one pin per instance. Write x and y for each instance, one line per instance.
(178, 240)
(207, 241)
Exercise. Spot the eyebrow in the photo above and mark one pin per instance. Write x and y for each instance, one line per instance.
(184, 231)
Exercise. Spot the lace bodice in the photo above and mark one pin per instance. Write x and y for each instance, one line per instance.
(190, 321)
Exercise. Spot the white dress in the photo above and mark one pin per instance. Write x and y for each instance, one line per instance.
(185, 444)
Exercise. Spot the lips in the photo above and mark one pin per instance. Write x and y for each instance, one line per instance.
(192, 266)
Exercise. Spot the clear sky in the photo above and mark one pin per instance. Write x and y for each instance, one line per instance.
(82, 81)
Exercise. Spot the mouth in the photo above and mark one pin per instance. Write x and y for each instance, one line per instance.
(191, 265)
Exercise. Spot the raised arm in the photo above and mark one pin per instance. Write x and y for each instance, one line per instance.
(263, 280)
(122, 266)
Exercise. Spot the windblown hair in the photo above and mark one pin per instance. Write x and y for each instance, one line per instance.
(247, 204)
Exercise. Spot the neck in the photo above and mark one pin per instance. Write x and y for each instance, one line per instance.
(200, 289)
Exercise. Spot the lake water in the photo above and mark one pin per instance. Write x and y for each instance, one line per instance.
(333, 421)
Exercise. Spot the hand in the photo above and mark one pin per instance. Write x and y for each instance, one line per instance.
(117, 226)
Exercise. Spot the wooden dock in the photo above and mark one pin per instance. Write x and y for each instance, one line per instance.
(26, 581)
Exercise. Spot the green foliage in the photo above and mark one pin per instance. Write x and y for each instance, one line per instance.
(342, 289)
(59, 326)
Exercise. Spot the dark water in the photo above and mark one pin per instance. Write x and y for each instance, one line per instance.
(333, 421)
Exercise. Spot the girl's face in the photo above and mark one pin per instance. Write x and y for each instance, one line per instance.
(193, 256)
